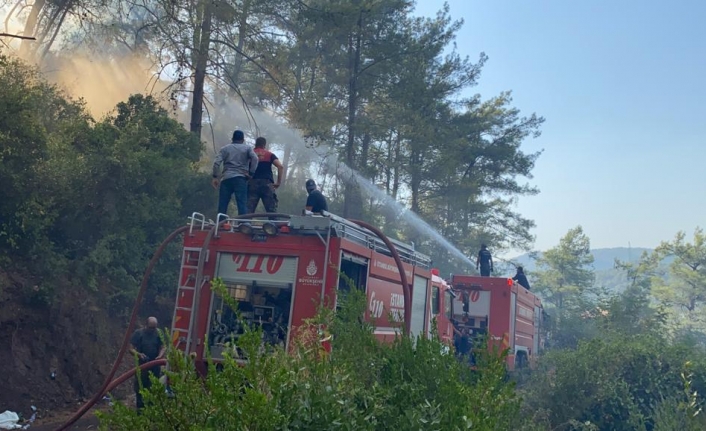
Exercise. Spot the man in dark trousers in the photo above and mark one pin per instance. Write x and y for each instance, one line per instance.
(316, 202)
(147, 346)
(462, 342)
(239, 163)
(262, 185)
(484, 261)
(521, 278)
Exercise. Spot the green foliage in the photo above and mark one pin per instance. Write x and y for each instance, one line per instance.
(686, 287)
(361, 385)
(33, 115)
(88, 199)
(683, 412)
(615, 381)
(563, 275)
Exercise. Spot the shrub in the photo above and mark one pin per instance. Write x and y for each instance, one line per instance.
(361, 385)
(616, 382)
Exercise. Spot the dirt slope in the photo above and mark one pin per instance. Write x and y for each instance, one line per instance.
(74, 337)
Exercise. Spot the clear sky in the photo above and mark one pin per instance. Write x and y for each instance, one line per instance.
(622, 86)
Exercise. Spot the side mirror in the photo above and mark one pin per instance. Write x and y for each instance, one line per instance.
(465, 302)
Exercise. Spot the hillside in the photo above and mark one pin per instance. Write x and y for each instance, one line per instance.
(604, 258)
(604, 264)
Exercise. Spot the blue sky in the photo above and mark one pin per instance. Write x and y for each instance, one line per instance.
(622, 86)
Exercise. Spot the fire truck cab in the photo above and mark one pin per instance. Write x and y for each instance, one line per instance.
(509, 314)
(280, 271)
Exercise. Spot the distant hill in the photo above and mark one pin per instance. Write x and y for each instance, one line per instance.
(604, 264)
(604, 258)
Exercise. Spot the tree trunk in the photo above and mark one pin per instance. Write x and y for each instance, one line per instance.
(416, 180)
(31, 27)
(242, 34)
(285, 162)
(396, 169)
(388, 166)
(364, 154)
(47, 47)
(352, 198)
(200, 70)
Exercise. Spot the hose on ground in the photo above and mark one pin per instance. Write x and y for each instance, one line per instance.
(120, 380)
(126, 340)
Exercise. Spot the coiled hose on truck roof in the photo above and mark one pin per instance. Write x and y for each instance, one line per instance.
(110, 384)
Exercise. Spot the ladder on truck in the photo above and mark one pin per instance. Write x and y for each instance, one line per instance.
(183, 320)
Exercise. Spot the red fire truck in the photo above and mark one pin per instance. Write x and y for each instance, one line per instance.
(510, 314)
(280, 271)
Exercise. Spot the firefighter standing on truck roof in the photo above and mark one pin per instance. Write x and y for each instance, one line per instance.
(316, 202)
(521, 278)
(484, 261)
(262, 185)
(239, 163)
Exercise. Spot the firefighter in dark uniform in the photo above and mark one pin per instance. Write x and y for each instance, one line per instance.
(316, 201)
(521, 278)
(262, 185)
(484, 261)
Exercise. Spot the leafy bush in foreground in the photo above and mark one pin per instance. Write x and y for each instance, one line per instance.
(620, 382)
(361, 385)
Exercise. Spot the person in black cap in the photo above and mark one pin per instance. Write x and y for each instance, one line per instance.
(521, 278)
(484, 261)
(316, 202)
(239, 164)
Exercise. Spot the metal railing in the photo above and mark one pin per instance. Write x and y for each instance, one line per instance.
(315, 225)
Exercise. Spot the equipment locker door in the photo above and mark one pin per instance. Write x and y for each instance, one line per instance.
(419, 305)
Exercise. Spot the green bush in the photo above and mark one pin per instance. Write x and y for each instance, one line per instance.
(361, 385)
(615, 382)
(86, 202)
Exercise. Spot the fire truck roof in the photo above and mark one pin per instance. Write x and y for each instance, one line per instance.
(325, 225)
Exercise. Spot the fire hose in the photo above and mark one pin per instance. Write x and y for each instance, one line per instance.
(110, 384)
(403, 275)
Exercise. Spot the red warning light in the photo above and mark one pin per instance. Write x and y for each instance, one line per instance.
(510, 282)
(435, 271)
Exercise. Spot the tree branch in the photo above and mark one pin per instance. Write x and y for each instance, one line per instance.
(252, 60)
(17, 36)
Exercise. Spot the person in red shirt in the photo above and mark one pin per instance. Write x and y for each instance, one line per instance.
(262, 184)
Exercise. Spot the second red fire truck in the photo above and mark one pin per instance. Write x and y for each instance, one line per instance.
(280, 270)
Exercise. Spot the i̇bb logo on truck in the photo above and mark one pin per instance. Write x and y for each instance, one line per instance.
(475, 296)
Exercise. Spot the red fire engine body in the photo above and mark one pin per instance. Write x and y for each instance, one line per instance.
(510, 314)
(280, 276)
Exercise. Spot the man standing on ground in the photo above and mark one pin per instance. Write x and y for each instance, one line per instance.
(239, 163)
(484, 261)
(147, 346)
(316, 202)
(262, 185)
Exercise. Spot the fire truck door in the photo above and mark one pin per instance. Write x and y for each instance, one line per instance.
(419, 305)
(537, 324)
